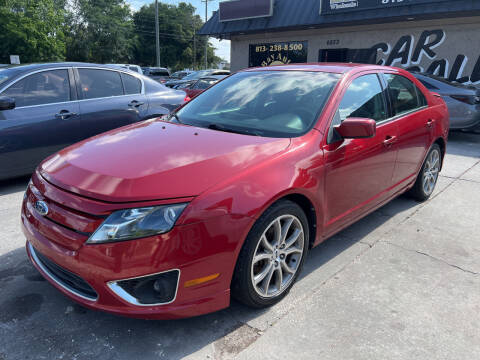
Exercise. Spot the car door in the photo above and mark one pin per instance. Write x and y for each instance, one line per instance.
(411, 113)
(109, 99)
(44, 120)
(358, 172)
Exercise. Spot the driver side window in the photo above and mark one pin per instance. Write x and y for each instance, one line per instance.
(363, 99)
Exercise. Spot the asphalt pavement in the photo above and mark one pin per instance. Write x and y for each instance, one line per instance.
(403, 283)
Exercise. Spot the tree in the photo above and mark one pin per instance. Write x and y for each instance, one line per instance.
(177, 27)
(31, 29)
(100, 31)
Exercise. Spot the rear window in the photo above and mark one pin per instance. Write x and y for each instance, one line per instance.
(428, 85)
(403, 93)
(159, 73)
(131, 84)
(204, 84)
(4, 75)
(96, 83)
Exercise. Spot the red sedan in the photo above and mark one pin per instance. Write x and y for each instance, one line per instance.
(168, 219)
(201, 85)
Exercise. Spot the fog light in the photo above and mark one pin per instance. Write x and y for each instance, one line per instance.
(156, 289)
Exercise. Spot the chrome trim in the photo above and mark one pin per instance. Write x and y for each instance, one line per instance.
(120, 292)
(396, 117)
(50, 104)
(57, 281)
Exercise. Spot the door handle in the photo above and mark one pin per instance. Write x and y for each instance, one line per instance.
(65, 114)
(135, 103)
(389, 141)
(430, 123)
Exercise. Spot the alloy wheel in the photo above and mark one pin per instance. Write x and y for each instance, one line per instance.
(431, 171)
(277, 256)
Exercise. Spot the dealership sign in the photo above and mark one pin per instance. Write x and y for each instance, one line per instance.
(245, 9)
(279, 53)
(336, 6)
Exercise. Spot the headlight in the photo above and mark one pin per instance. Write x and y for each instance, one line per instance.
(137, 223)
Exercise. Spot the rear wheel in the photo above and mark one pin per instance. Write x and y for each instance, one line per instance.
(272, 256)
(428, 176)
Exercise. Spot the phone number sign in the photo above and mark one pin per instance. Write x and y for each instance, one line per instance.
(279, 53)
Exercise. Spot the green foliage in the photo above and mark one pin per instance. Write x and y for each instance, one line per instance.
(101, 31)
(31, 29)
(177, 25)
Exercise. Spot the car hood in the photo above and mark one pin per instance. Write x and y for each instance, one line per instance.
(155, 160)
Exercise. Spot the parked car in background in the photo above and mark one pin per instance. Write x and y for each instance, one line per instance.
(180, 74)
(135, 68)
(169, 219)
(162, 75)
(199, 86)
(463, 101)
(191, 78)
(45, 107)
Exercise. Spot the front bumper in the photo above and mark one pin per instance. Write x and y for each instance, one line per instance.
(195, 250)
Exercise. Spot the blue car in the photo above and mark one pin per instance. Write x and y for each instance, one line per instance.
(46, 107)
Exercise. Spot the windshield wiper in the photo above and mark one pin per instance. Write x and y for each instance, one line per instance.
(230, 130)
(174, 115)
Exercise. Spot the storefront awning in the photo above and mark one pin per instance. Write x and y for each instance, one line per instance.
(304, 14)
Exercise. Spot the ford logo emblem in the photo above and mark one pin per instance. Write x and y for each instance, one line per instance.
(41, 207)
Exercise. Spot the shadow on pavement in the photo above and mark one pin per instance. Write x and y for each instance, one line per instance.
(13, 185)
(463, 144)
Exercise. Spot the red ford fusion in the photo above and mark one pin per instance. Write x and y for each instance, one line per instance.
(170, 218)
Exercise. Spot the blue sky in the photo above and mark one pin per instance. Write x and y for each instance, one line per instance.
(223, 47)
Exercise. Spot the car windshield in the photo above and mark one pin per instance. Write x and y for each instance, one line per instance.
(4, 75)
(262, 103)
(159, 73)
(196, 75)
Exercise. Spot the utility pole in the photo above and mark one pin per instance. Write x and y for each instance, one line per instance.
(206, 44)
(194, 44)
(157, 33)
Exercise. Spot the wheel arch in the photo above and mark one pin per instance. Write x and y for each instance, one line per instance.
(305, 203)
(443, 148)
(309, 210)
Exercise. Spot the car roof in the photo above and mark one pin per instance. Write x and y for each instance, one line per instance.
(339, 68)
(24, 68)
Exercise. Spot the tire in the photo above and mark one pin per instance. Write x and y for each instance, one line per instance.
(252, 283)
(428, 175)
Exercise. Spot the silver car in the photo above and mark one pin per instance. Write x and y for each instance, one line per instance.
(463, 101)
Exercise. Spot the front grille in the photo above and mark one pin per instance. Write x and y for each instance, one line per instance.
(64, 278)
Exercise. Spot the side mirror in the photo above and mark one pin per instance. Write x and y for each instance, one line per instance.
(357, 128)
(7, 103)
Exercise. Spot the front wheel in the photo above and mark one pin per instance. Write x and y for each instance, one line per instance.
(428, 176)
(272, 256)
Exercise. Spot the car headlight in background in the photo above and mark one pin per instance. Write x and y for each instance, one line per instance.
(137, 223)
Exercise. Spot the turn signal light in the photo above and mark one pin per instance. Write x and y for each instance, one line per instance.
(201, 280)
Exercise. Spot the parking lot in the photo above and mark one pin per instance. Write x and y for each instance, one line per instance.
(403, 283)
